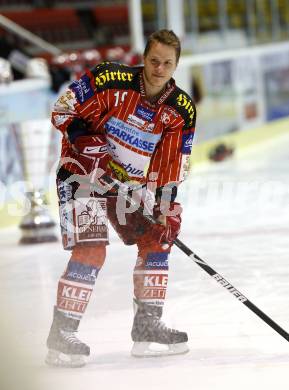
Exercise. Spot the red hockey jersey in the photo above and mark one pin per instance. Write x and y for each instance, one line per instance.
(143, 137)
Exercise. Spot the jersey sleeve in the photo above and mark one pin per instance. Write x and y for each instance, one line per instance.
(170, 162)
(81, 101)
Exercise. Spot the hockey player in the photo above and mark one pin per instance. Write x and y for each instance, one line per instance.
(133, 124)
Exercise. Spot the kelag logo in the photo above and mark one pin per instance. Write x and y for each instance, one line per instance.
(82, 89)
(144, 113)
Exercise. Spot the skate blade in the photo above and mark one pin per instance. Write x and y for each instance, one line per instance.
(59, 359)
(147, 349)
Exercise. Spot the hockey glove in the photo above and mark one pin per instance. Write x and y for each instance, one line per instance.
(94, 146)
(75, 129)
(169, 226)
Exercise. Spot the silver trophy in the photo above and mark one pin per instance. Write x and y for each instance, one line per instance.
(35, 146)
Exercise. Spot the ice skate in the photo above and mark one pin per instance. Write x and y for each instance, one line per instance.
(64, 348)
(151, 336)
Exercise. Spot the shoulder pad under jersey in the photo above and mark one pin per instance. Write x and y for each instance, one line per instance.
(110, 75)
(184, 105)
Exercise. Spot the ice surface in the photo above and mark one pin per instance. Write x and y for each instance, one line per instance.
(235, 218)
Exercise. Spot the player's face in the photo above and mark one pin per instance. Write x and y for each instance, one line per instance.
(159, 64)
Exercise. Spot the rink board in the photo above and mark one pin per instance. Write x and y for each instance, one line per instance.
(241, 139)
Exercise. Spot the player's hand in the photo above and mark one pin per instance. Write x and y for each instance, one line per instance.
(94, 146)
(77, 128)
(169, 226)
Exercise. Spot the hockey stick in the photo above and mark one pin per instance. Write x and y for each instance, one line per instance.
(122, 189)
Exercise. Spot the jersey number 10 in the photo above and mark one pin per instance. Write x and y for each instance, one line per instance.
(119, 97)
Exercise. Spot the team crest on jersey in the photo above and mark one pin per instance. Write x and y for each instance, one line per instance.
(165, 118)
(171, 111)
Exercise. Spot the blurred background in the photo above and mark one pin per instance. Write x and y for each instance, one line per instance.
(235, 65)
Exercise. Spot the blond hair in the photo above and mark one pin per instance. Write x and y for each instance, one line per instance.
(166, 37)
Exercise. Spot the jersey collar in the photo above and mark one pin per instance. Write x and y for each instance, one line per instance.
(171, 85)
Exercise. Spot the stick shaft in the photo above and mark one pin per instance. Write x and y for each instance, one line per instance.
(201, 263)
(231, 289)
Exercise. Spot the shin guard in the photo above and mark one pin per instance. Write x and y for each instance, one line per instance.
(76, 284)
(151, 274)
